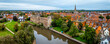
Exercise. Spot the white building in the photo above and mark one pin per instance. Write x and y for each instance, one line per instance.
(21, 18)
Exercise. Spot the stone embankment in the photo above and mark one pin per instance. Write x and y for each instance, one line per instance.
(65, 35)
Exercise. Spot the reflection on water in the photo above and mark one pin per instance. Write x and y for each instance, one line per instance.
(44, 36)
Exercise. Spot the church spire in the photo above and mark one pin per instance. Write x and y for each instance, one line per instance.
(75, 8)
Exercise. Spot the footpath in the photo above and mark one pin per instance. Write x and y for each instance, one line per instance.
(9, 29)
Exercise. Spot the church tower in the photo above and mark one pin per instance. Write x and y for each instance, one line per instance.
(75, 8)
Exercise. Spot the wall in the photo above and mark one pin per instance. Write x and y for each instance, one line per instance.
(45, 20)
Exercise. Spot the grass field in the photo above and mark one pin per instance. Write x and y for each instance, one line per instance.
(57, 29)
(11, 25)
(78, 38)
(5, 33)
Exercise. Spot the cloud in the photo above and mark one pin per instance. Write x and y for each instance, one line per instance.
(64, 4)
(23, 6)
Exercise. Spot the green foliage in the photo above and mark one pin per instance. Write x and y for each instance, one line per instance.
(24, 25)
(73, 30)
(101, 17)
(69, 23)
(56, 16)
(80, 26)
(21, 13)
(15, 18)
(90, 35)
(3, 20)
(83, 15)
(28, 19)
(16, 27)
(64, 26)
(7, 40)
(57, 22)
(51, 13)
(107, 17)
(57, 29)
(25, 36)
(2, 27)
(82, 36)
(1, 16)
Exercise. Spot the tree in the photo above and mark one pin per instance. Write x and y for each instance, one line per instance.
(21, 13)
(83, 15)
(4, 20)
(57, 22)
(26, 24)
(16, 27)
(26, 16)
(56, 16)
(73, 30)
(24, 36)
(69, 23)
(107, 17)
(51, 13)
(101, 17)
(64, 26)
(80, 26)
(15, 18)
(3, 26)
(90, 35)
(68, 17)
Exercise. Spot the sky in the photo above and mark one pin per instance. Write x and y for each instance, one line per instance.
(54, 4)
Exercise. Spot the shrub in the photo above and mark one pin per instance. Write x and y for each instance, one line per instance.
(7, 40)
(15, 18)
(81, 36)
(25, 36)
(26, 24)
(16, 27)
(3, 26)
(3, 20)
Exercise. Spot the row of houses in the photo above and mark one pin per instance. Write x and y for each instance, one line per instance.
(20, 18)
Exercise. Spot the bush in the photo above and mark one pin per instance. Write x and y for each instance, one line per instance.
(81, 36)
(3, 20)
(16, 27)
(3, 26)
(15, 18)
(7, 40)
(25, 36)
(26, 24)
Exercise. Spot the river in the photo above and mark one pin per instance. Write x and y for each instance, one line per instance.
(44, 36)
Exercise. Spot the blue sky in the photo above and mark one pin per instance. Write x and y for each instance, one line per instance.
(54, 4)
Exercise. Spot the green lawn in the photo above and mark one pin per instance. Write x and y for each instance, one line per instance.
(57, 29)
(78, 38)
(31, 22)
(11, 25)
(5, 33)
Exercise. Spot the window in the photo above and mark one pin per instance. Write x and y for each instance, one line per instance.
(105, 42)
(102, 43)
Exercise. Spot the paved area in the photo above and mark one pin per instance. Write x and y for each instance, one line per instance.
(9, 30)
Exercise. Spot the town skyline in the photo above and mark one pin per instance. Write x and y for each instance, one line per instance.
(54, 5)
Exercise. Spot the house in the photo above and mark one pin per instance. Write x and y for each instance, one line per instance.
(21, 18)
(98, 30)
(105, 40)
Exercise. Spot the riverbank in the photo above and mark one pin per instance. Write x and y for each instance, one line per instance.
(67, 36)
(34, 42)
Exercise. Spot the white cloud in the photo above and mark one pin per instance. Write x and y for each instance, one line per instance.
(22, 6)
